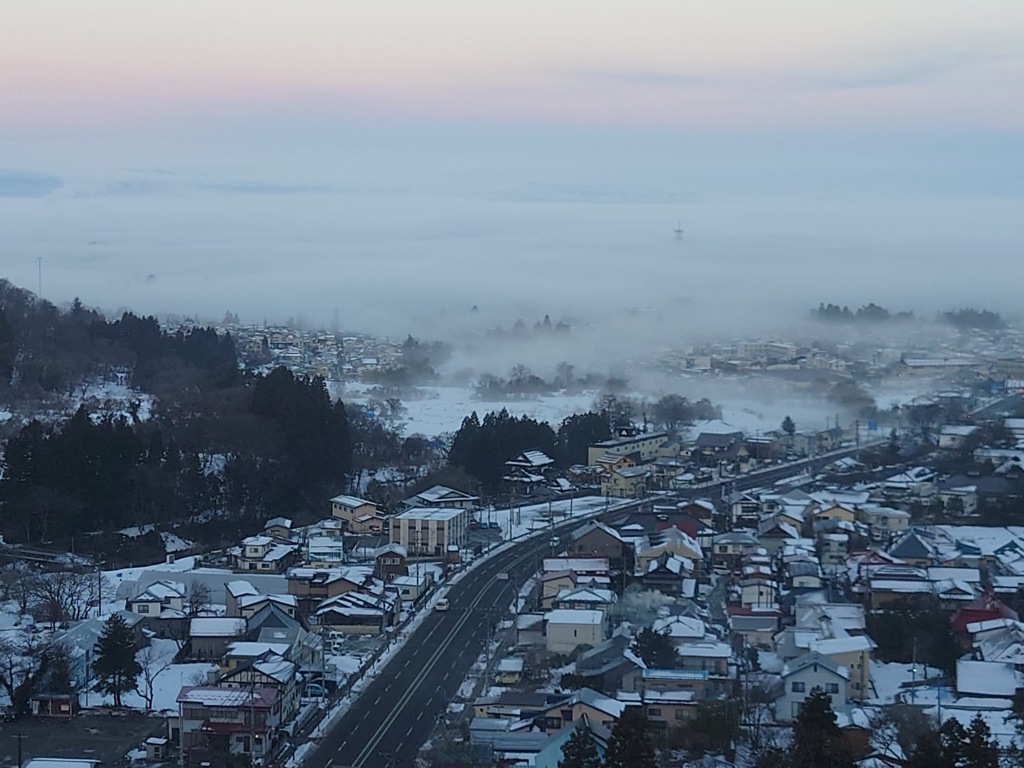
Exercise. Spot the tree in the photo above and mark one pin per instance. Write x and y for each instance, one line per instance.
(579, 751)
(115, 665)
(817, 740)
(672, 412)
(980, 749)
(151, 665)
(788, 426)
(656, 649)
(629, 746)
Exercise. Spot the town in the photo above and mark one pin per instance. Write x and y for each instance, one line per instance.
(687, 589)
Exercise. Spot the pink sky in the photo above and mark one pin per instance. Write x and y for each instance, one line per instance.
(68, 65)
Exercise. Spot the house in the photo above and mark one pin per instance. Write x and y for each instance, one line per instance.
(595, 539)
(359, 613)
(626, 483)
(728, 548)
(209, 636)
(669, 541)
(756, 626)
(390, 561)
(348, 508)
(586, 598)
(430, 530)
(264, 555)
(567, 629)
(644, 446)
(707, 655)
(233, 592)
(526, 472)
(884, 523)
(268, 669)
(159, 596)
(759, 593)
(228, 721)
(311, 585)
(250, 605)
(802, 675)
(854, 653)
(414, 585)
(916, 547)
(279, 528)
(442, 496)
(671, 575)
(952, 436)
(584, 702)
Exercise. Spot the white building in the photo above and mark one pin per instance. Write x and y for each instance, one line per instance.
(429, 530)
(804, 674)
(568, 629)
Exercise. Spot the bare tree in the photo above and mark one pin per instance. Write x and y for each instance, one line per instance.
(67, 595)
(17, 662)
(152, 665)
(18, 582)
(198, 599)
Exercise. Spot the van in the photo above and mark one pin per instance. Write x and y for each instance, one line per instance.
(441, 605)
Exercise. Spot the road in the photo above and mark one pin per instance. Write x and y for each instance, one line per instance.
(399, 710)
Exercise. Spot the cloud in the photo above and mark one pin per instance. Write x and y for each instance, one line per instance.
(914, 69)
(15, 183)
(660, 79)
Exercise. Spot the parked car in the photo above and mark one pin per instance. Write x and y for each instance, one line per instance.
(474, 523)
(494, 525)
(314, 691)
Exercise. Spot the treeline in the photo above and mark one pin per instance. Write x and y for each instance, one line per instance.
(965, 319)
(523, 382)
(869, 313)
(481, 447)
(973, 319)
(420, 361)
(268, 445)
(44, 351)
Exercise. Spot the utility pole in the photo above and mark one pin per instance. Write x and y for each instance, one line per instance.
(20, 737)
(39, 259)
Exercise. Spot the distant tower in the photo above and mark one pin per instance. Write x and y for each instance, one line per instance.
(39, 293)
(679, 231)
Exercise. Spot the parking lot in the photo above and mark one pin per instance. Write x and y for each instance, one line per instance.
(106, 737)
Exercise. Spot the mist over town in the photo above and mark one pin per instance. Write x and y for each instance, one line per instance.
(467, 385)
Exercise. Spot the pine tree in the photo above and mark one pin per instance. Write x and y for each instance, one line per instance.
(980, 750)
(817, 740)
(788, 426)
(656, 649)
(115, 666)
(629, 745)
(579, 751)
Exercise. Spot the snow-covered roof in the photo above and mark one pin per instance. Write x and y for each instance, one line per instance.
(227, 697)
(351, 502)
(986, 678)
(574, 616)
(215, 626)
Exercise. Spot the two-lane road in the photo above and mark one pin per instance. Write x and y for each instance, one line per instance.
(398, 711)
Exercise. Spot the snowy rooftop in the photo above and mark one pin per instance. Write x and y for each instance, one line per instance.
(570, 616)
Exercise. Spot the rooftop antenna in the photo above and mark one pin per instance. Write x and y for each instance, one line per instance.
(679, 230)
(39, 293)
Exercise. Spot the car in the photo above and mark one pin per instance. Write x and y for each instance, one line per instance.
(494, 526)
(442, 605)
(314, 691)
(474, 524)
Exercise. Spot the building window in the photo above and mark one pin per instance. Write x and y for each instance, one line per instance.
(799, 687)
(653, 712)
(832, 688)
(141, 608)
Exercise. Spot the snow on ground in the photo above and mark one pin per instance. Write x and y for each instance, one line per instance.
(134, 574)
(442, 409)
(887, 679)
(168, 678)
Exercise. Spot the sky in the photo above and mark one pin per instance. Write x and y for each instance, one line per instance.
(393, 162)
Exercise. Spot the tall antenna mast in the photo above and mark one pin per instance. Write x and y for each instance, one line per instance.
(39, 293)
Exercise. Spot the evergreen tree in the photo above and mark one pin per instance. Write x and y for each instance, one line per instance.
(629, 745)
(788, 426)
(579, 751)
(817, 740)
(115, 666)
(980, 750)
(656, 649)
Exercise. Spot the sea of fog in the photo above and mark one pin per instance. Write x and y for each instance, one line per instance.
(406, 232)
